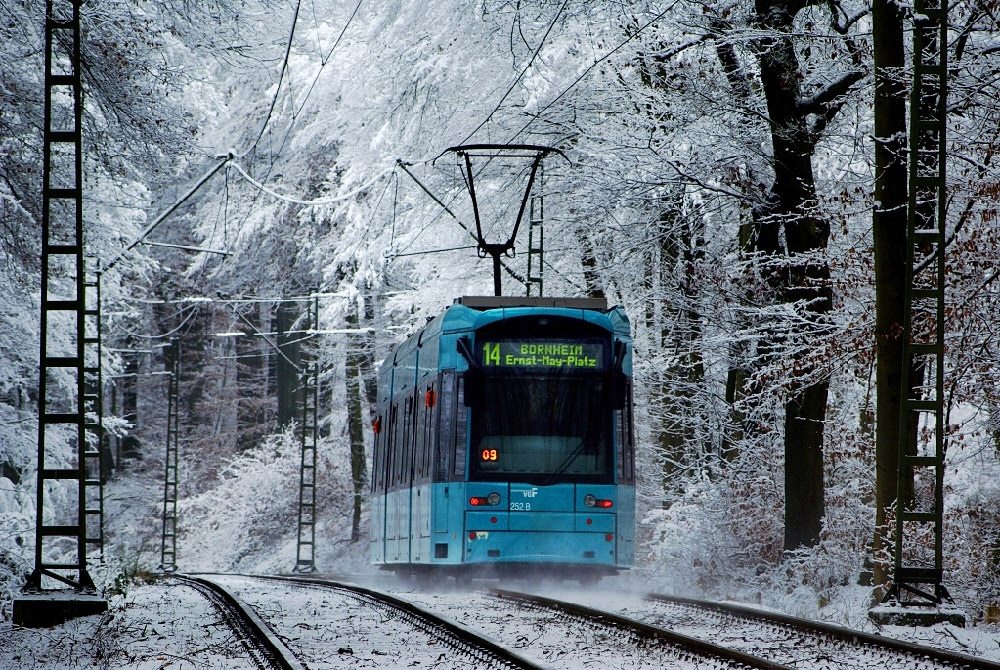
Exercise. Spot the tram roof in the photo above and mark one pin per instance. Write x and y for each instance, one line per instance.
(473, 312)
(483, 302)
(468, 313)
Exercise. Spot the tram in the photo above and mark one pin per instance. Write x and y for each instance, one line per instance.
(504, 437)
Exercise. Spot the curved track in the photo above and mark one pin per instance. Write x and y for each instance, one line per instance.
(800, 642)
(262, 645)
(481, 651)
(679, 648)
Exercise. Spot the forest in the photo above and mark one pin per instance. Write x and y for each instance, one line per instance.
(732, 173)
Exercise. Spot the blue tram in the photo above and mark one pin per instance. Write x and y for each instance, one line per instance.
(504, 437)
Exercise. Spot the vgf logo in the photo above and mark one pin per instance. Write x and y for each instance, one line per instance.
(529, 493)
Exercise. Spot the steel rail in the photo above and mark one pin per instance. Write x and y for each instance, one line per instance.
(644, 632)
(839, 633)
(450, 632)
(264, 647)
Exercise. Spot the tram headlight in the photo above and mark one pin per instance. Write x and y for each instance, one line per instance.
(493, 498)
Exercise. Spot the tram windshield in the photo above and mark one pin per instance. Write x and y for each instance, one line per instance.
(542, 428)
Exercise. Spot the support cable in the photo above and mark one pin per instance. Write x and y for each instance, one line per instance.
(274, 345)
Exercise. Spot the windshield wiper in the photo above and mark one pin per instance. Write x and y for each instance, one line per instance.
(565, 464)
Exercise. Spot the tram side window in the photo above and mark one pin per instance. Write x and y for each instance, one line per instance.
(397, 448)
(414, 442)
(628, 437)
(406, 462)
(418, 435)
(426, 402)
(430, 427)
(376, 480)
(624, 436)
(446, 425)
(387, 459)
(620, 466)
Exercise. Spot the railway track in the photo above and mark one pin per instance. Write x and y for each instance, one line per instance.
(675, 649)
(476, 650)
(263, 647)
(803, 643)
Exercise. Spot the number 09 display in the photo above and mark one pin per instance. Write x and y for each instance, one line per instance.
(489, 454)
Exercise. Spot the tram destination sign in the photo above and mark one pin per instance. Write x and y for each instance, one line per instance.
(542, 354)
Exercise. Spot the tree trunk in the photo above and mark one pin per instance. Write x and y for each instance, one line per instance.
(805, 413)
(679, 249)
(288, 365)
(359, 367)
(889, 233)
(255, 408)
(369, 375)
(356, 431)
(792, 198)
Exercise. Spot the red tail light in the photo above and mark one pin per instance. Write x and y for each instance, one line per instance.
(591, 501)
(492, 499)
(430, 398)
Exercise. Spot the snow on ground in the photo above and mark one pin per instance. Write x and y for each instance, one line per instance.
(165, 625)
(327, 629)
(151, 627)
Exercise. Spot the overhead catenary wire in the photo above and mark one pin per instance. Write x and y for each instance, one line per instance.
(311, 331)
(266, 338)
(600, 60)
(242, 300)
(186, 247)
(281, 77)
(322, 64)
(191, 309)
(312, 203)
(531, 61)
(434, 251)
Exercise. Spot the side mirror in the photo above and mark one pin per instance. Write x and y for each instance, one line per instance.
(617, 390)
(473, 388)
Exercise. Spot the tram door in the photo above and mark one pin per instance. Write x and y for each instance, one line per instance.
(443, 450)
(407, 494)
(420, 527)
